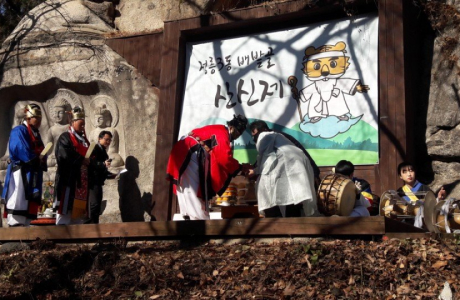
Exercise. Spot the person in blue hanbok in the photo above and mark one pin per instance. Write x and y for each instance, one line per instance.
(406, 172)
(22, 192)
(411, 187)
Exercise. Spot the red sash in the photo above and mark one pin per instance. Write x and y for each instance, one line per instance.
(81, 149)
(80, 202)
(37, 146)
(36, 143)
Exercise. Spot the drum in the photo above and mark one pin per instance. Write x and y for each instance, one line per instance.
(336, 195)
(436, 220)
(394, 206)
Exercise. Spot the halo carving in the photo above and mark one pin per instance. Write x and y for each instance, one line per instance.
(109, 102)
(63, 95)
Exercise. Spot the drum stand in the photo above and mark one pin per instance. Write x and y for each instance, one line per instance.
(443, 216)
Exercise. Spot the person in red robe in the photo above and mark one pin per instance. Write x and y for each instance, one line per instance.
(201, 165)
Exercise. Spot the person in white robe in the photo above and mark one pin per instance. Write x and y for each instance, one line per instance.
(285, 184)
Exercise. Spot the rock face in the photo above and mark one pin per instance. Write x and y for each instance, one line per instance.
(57, 58)
(443, 116)
(148, 15)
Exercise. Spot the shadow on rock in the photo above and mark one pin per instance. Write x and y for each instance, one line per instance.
(131, 204)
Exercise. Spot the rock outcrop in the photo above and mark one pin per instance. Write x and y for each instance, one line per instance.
(443, 115)
(57, 56)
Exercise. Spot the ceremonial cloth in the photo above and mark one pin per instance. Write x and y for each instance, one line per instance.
(286, 175)
(222, 164)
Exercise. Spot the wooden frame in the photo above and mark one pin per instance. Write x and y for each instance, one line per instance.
(393, 100)
(232, 228)
(252, 227)
(141, 51)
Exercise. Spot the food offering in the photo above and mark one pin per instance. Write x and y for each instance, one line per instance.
(229, 196)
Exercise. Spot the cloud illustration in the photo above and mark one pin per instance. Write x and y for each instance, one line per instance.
(328, 127)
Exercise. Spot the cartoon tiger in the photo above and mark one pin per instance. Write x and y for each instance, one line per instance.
(325, 66)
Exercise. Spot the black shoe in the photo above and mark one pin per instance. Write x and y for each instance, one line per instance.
(315, 119)
(343, 118)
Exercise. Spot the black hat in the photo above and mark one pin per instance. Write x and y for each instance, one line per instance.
(239, 122)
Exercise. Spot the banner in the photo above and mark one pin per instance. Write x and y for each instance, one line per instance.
(317, 83)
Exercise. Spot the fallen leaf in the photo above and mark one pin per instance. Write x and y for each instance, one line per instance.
(289, 290)
(370, 258)
(439, 264)
(180, 275)
(138, 293)
(403, 290)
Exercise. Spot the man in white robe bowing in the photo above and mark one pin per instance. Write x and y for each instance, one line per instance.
(285, 184)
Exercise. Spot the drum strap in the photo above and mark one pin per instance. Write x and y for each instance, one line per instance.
(445, 212)
(409, 193)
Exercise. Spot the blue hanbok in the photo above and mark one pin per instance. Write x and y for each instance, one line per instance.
(24, 178)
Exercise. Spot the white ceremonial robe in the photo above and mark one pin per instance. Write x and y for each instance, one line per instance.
(189, 203)
(285, 174)
(17, 200)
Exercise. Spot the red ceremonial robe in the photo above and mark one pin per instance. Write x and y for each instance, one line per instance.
(223, 165)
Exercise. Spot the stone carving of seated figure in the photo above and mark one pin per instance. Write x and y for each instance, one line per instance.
(58, 109)
(103, 121)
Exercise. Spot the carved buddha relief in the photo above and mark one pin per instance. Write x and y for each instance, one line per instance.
(104, 116)
(61, 103)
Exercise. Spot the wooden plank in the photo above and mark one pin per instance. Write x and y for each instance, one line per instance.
(155, 44)
(161, 195)
(143, 54)
(399, 101)
(189, 24)
(409, 235)
(398, 226)
(168, 111)
(280, 227)
(384, 140)
(398, 98)
(150, 58)
(134, 51)
(115, 45)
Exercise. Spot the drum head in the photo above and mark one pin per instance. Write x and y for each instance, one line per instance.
(429, 207)
(432, 217)
(327, 180)
(336, 195)
(347, 197)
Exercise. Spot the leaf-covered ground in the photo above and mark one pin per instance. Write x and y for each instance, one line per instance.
(291, 269)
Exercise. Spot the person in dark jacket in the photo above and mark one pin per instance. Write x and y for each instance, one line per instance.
(98, 173)
(71, 181)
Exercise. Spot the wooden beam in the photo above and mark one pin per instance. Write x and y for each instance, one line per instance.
(251, 227)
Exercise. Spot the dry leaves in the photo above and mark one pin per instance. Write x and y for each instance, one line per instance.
(315, 269)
